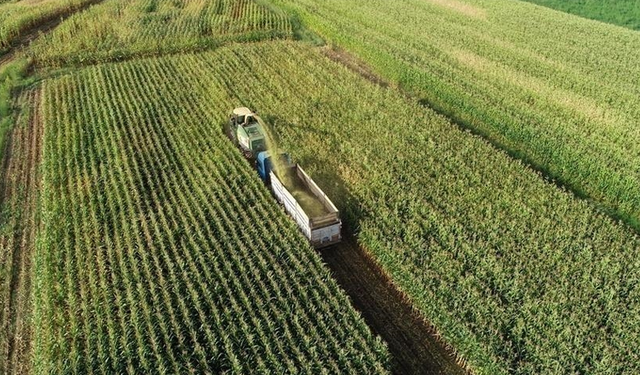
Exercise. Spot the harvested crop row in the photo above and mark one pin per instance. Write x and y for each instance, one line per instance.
(518, 275)
(163, 252)
(122, 29)
(19, 223)
(555, 90)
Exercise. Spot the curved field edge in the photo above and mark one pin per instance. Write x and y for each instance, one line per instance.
(18, 18)
(119, 30)
(524, 77)
(517, 275)
(161, 248)
(12, 77)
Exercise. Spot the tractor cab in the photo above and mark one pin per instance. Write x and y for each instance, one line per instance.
(243, 116)
(245, 129)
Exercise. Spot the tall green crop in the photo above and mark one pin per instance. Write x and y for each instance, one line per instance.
(518, 275)
(624, 13)
(16, 18)
(162, 251)
(557, 91)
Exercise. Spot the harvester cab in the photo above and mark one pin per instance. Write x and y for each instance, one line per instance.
(265, 163)
(245, 129)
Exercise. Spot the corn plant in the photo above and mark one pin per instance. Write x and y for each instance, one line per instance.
(18, 17)
(162, 251)
(124, 29)
(556, 91)
(516, 274)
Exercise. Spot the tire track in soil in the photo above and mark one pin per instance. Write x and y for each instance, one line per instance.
(414, 345)
(20, 190)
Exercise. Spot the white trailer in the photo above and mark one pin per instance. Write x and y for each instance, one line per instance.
(313, 211)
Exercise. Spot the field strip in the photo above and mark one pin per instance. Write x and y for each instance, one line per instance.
(46, 25)
(162, 269)
(544, 98)
(156, 29)
(20, 191)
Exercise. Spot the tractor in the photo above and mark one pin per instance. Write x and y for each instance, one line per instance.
(247, 132)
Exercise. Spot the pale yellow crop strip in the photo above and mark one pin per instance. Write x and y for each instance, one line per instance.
(119, 29)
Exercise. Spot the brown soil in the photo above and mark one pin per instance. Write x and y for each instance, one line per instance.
(19, 191)
(412, 342)
(343, 57)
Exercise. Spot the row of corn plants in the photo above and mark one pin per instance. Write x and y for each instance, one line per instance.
(518, 275)
(162, 251)
(555, 90)
(124, 29)
(17, 17)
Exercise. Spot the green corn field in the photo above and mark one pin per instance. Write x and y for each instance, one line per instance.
(483, 156)
(556, 91)
(511, 269)
(144, 265)
(451, 233)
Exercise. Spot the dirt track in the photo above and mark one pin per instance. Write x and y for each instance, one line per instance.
(413, 344)
(20, 221)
